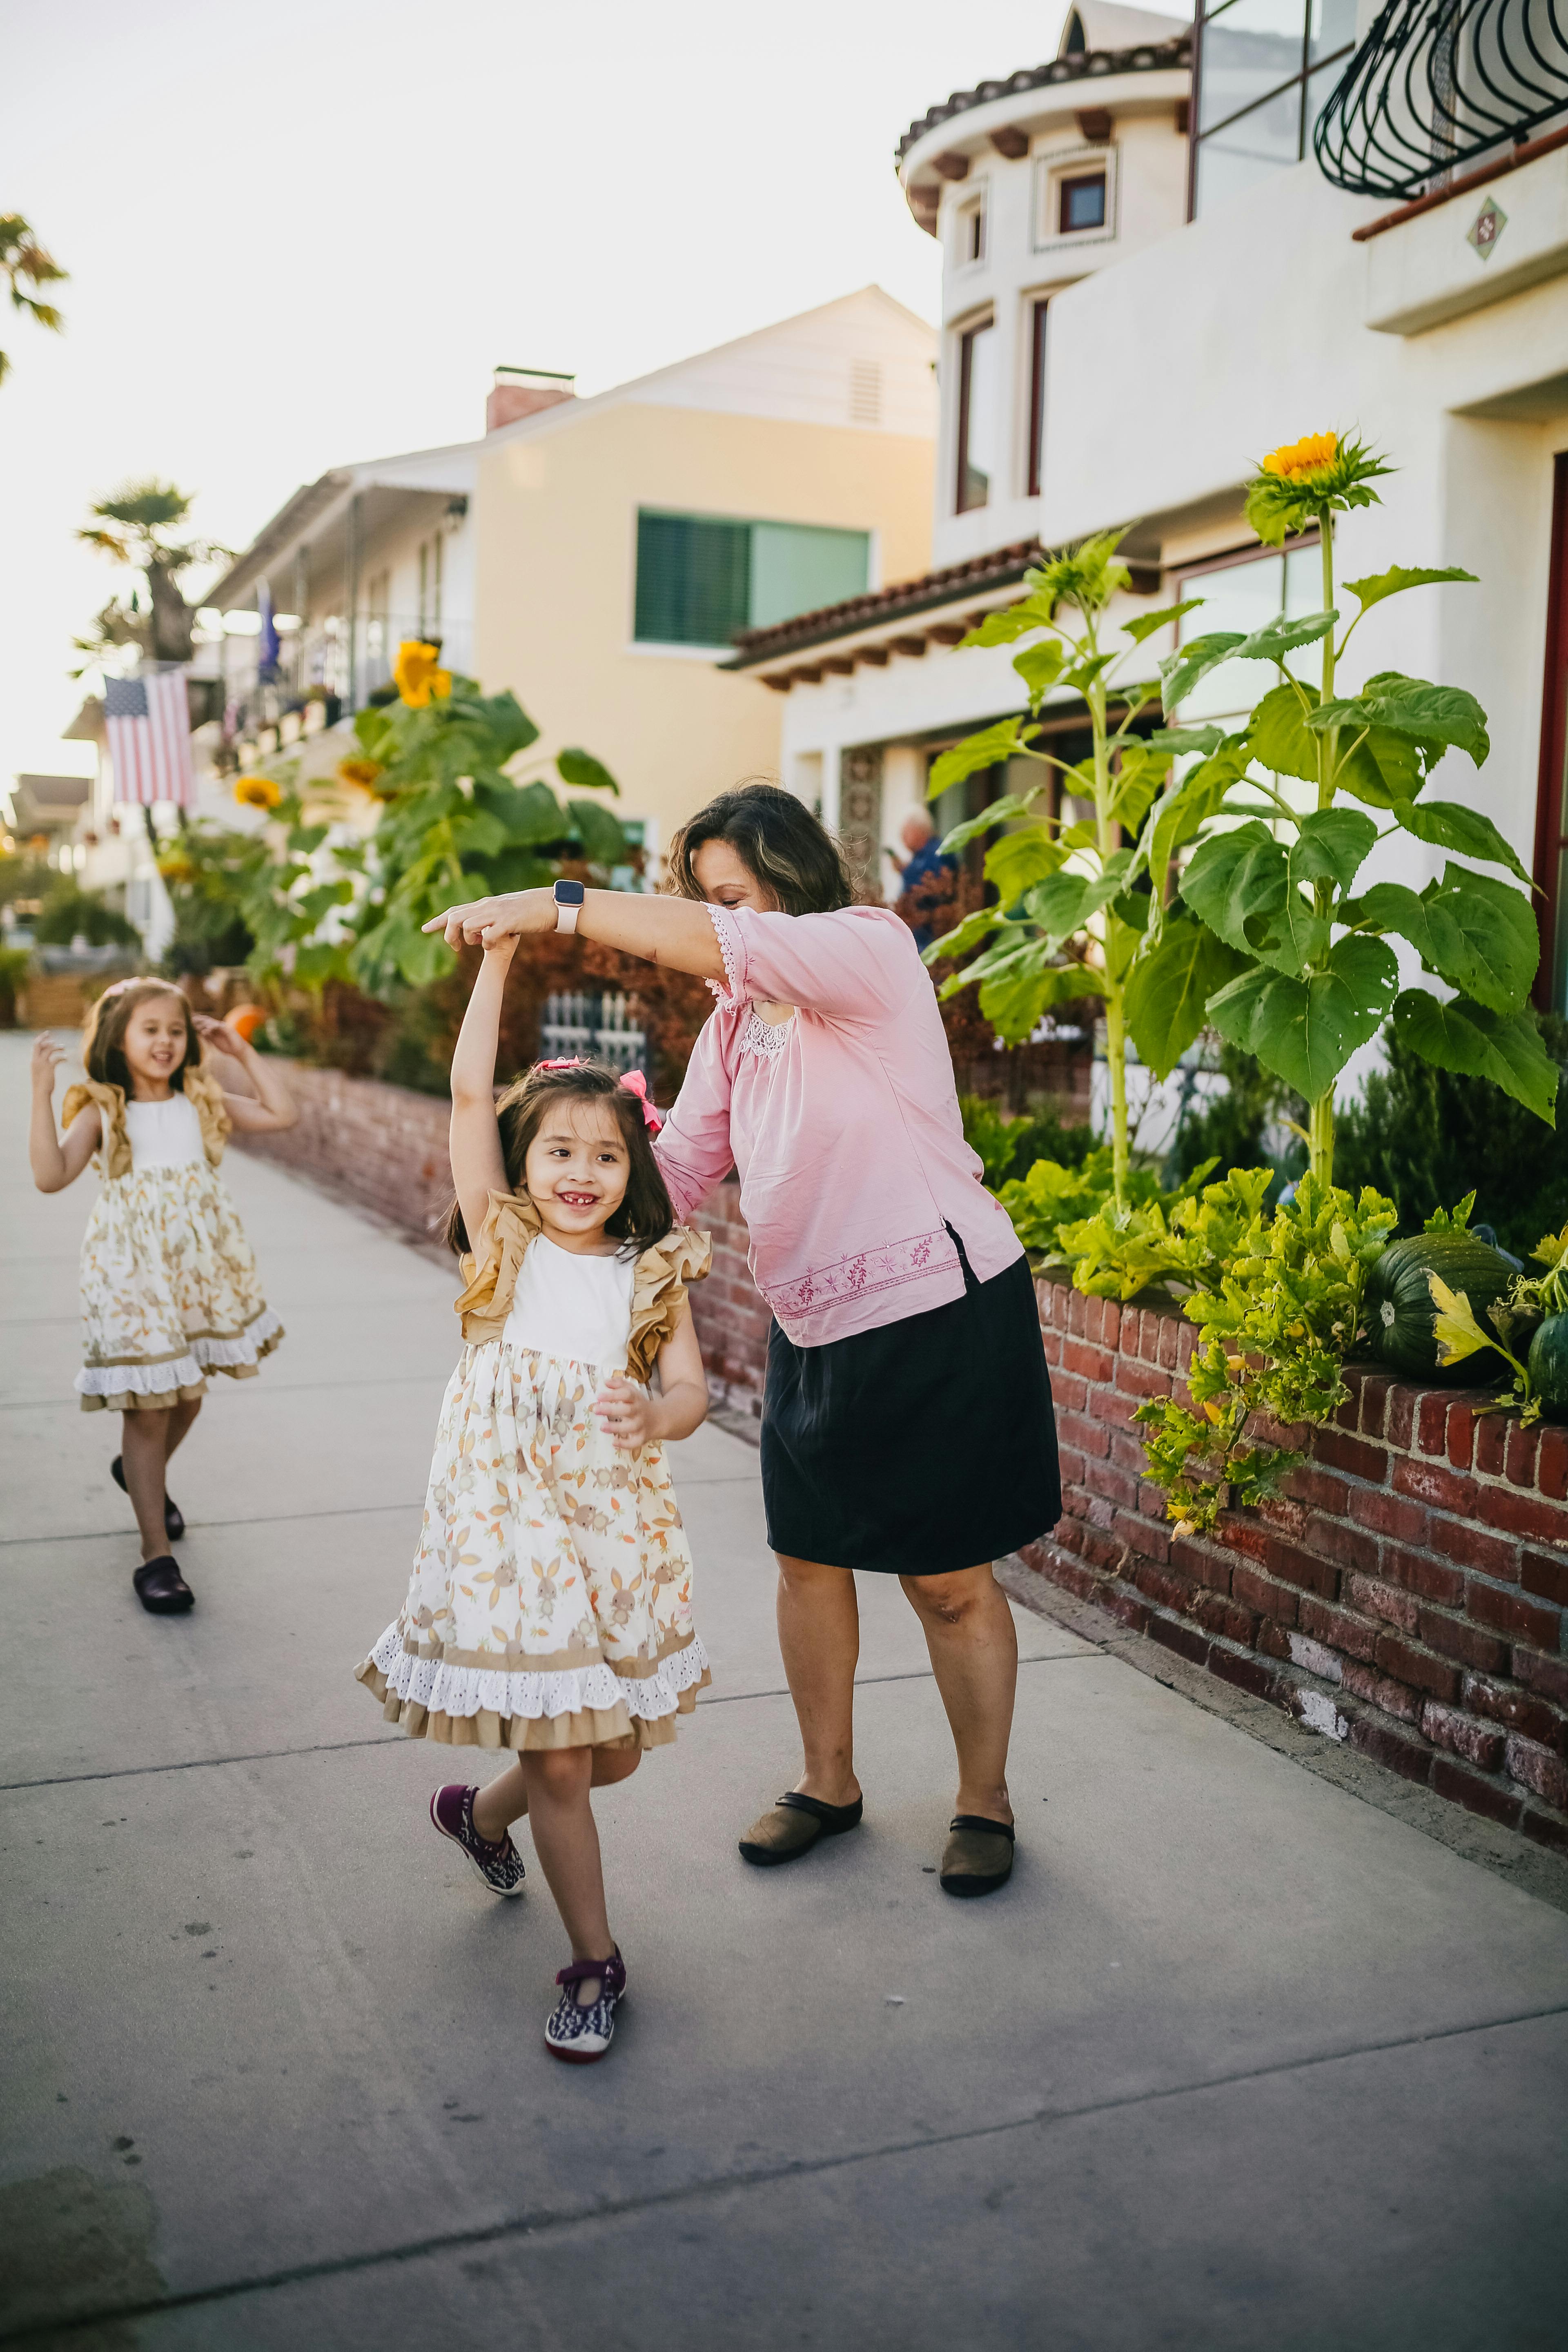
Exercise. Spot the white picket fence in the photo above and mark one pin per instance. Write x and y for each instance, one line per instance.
(600, 1028)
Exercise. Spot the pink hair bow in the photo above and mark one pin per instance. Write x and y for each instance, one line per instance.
(570, 1062)
(637, 1084)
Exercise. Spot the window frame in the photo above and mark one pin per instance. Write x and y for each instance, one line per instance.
(973, 206)
(1052, 167)
(1301, 80)
(701, 649)
(1038, 306)
(983, 324)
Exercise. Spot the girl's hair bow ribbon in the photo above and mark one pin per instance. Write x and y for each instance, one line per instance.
(637, 1084)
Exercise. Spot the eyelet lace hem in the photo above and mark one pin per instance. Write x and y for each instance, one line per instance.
(445, 1690)
(730, 947)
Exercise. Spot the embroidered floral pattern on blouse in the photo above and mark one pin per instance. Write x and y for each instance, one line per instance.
(730, 947)
(764, 1038)
(859, 1277)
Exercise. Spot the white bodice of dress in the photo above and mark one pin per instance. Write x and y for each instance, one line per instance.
(163, 1134)
(572, 1306)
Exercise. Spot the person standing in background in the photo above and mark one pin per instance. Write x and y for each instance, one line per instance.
(922, 876)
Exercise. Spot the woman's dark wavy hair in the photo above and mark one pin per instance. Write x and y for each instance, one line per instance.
(645, 1214)
(791, 851)
(103, 1033)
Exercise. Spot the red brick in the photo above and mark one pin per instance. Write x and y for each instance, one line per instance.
(1350, 1635)
(1157, 1584)
(1539, 1771)
(1547, 1676)
(1546, 1573)
(1150, 1501)
(1204, 1562)
(1523, 1515)
(1069, 1393)
(1069, 1462)
(1089, 1362)
(1119, 1486)
(1391, 1514)
(1374, 1394)
(1520, 1460)
(1261, 1592)
(1419, 1572)
(1507, 1613)
(1131, 1331)
(1245, 1534)
(1383, 1692)
(1091, 1438)
(1127, 1452)
(1051, 1342)
(1409, 1663)
(1352, 1454)
(1347, 1547)
(1477, 1796)
(1502, 1703)
(1400, 1422)
(1386, 1601)
(1284, 1512)
(1175, 1344)
(1347, 1412)
(1545, 1831)
(1461, 1431)
(1319, 1489)
(1552, 1464)
(1218, 1615)
(1432, 1423)
(1185, 1639)
(1450, 1635)
(1145, 1538)
(1491, 1444)
(1429, 1481)
(1077, 1317)
(1446, 1727)
(1462, 1540)
(1407, 1757)
(1127, 1609)
(1273, 1640)
(1142, 1379)
(1297, 1566)
(1247, 1673)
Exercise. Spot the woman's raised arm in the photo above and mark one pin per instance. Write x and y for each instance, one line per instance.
(675, 932)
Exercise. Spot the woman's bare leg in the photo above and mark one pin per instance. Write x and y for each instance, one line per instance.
(143, 1451)
(819, 1634)
(974, 1647)
(505, 1799)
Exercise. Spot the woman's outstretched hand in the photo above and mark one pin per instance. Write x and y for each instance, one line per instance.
(485, 922)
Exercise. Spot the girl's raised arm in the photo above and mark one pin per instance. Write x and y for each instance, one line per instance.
(271, 1106)
(478, 1167)
(55, 1165)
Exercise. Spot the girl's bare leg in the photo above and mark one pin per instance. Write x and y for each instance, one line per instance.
(180, 1416)
(143, 1450)
(819, 1634)
(974, 1647)
(505, 1799)
(566, 1840)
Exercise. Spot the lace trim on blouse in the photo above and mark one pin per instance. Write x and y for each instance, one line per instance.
(765, 1038)
(725, 931)
(861, 1275)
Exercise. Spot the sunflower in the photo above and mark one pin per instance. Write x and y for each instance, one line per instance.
(1308, 481)
(416, 673)
(257, 791)
(357, 770)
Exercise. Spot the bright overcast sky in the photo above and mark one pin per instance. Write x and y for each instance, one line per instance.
(299, 235)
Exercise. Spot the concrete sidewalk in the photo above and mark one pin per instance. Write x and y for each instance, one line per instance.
(1236, 2060)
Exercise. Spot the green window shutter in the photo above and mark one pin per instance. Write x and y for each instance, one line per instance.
(798, 568)
(693, 575)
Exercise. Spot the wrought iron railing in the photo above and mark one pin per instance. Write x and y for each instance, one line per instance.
(1439, 84)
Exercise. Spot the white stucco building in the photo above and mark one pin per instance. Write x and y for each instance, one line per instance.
(1148, 281)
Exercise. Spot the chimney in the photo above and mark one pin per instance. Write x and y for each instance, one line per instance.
(518, 392)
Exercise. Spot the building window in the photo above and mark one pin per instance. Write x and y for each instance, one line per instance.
(1037, 314)
(1247, 592)
(977, 415)
(1262, 72)
(971, 232)
(699, 578)
(1080, 202)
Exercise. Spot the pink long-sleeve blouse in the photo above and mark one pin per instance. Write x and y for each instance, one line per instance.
(842, 1122)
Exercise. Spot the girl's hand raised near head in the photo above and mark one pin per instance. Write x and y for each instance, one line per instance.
(46, 1061)
(485, 922)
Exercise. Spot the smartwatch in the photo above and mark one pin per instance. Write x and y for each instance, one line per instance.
(568, 897)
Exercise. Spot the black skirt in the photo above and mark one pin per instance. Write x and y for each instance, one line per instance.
(921, 1447)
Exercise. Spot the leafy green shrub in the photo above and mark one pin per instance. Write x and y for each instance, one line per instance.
(1425, 1136)
(69, 913)
(14, 963)
(1060, 1213)
(1008, 1148)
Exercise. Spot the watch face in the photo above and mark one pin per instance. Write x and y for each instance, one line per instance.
(569, 894)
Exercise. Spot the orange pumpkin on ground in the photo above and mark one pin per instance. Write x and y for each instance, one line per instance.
(245, 1020)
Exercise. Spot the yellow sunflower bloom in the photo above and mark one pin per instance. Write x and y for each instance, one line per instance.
(257, 791)
(359, 771)
(417, 675)
(1303, 460)
(1298, 485)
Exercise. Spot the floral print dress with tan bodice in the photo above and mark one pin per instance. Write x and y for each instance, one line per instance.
(550, 1604)
(169, 1287)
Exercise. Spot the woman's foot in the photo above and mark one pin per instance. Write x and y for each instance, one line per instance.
(581, 2025)
(498, 1862)
(161, 1589)
(174, 1517)
(978, 1856)
(794, 1825)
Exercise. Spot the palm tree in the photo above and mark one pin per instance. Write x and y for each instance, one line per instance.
(144, 513)
(23, 262)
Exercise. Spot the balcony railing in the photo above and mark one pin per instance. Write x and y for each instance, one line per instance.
(1438, 85)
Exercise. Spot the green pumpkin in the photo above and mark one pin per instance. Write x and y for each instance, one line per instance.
(1548, 1366)
(1398, 1310)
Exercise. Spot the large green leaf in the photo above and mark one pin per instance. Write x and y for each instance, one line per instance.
(1281, 637)
(1147, 623)
(1169, 988)
(1331, 847)
(1060, 905)
(582, 768)
(1137, 784)
(1306, 1029)
(1432, 716)
(1014, 621)
(1377, 585)
(1379, 767)
(1039, 667)
(1451, 826)
(1178, 740)
(532, 814)
(1236, 882)
(964, 936)
(1475, 931)
(604, 842)
(1480, 1043)
(1021, 859)
(1181, 671)
(1278, 735)
(1014, 999)
(1182, 813)
(992, 745)
(1010, 804)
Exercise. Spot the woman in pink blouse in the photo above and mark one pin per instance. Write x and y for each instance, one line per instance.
(907, 1426)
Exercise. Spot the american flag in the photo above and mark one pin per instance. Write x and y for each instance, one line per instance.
(147, 721)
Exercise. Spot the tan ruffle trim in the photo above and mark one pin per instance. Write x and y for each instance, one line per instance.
(491, 1271)
(203, 1093)
(593, 1727)
(162, 1398)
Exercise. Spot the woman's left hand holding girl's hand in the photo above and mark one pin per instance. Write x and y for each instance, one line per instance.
(627, 1412)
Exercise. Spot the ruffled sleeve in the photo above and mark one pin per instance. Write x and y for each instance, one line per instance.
(204, 1095)
(659, 1293)
(490, 1269)
(114, 1154)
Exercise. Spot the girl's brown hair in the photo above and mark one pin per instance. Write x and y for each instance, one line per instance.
(645, 1214)
(103, 1033)
(791, 851)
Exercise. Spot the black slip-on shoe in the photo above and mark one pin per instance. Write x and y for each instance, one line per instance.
(978, 1856)
(794, 1825)
(161, 1589)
